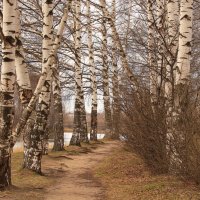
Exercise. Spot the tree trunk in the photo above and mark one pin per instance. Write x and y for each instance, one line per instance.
(24, 85)
(160, 36)
(151, 52)
(45, 96)
(173, 27)
(93, 130)
(115, 83)
(106, 92)
(80, 123)
(122, 53)
(36, 162)
(7, 90)
(39, 133)
(58, 118)
(178, 155)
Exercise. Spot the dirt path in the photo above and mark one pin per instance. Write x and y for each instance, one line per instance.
(76, 181)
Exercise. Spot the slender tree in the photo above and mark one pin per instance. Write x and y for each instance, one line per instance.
(123, 56)
(80, 123)
(24, 85)
(182, 81)
(173, 32)
(45, 96)
(37, 135)
(115, 80)
(160, 29)
(36, 163)
(151, 58)
(58, 117)
(93, 131)
(105, 74)
(7, 90)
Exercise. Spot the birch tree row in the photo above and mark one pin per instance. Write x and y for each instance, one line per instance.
(136, 57)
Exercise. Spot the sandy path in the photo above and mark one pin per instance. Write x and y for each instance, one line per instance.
(76, 181)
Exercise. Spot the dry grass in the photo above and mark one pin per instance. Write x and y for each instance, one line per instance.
(126, 177)
(28, 185)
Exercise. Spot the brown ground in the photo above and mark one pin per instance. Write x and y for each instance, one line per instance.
(104, 171)
(77, 181)
(126, 177)
(67, 176)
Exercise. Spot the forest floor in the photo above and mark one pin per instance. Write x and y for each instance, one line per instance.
(99, 171)
(126, 177)
(68, 175)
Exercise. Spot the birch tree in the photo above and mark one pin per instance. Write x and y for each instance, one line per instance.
(182, 81)
(80, 123)
(173, 12)
(45, 96)
(93, 131)
(133, 79)
(105, 74)
(160, 28)
(151, 58)
(58, 118)
(115, 80)
(36, 160)
(7, 90)
(38, 132)
(24, 85)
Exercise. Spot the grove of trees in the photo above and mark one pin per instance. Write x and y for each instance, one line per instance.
(140, 56)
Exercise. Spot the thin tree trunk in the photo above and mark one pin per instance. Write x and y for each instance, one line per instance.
(173, 26)
(179, 142)
(24, 85)
(115, 82)
(38, 135)
(122, 53)
(58, 117)
(80, 123)
(151, 58)
(7, 90)
(106, 92)
(160, 28)
(93, 131)
(45, 96)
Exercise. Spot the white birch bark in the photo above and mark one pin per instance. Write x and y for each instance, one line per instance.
(122, 53)
(179, 142)
(80, 123)
(172, 25)
(7, 90)
(22, 73)
(115, 81)
(39, 132)
(151, 59)
(185, 40)
(24, 84)
(173, 32)
(93, 131)
(105, 74)
(45, 96)
(160, 28)
(58, 117)
(27, 112)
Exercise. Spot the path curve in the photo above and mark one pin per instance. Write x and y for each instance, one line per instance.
(77, 181)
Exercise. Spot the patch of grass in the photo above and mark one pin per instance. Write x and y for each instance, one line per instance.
(26, 178)
(26, 184)
(126, 177)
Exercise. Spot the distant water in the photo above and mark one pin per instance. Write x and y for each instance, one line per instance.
(67, 137)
